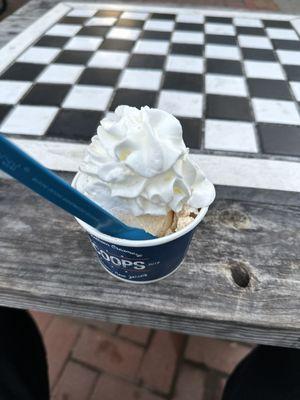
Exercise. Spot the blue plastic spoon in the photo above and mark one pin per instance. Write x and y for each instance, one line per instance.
(21, 166)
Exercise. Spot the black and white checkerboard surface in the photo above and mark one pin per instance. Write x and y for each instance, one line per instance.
(234, 82)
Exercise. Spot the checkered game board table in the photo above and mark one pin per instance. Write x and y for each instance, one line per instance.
(232, 78)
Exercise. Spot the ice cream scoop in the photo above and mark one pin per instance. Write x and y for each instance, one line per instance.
(138, 168)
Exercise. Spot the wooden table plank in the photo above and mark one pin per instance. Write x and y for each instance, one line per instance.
(47, 263)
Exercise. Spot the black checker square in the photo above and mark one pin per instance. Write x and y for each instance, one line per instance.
(46, 94)
(227, 67)
(134, 98)
(228, 107)
(52, 41)
(292, 72)
(192, 132)
(156, 35)
(117, 44)
(269, 23)
(78, 125)
(4, 110)
(23, 71)
(74, 57)
(129, 23)
(187, 49)
(220, 39)
(73, 20)
(247, 30)
(269, 88)
(258, 54)
(99, 76)
(163, 16)
(286, 44)
(146, 61)
(280, 139)
(219, 20)
(98, 31)
(182, 26)
(183, 81)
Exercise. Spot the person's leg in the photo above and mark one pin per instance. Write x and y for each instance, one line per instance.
(23, 364)
(267, 373)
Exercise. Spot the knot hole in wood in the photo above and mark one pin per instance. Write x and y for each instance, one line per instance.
(240, 274)
(235, 219)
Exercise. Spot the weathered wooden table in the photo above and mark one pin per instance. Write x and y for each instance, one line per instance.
(240, 279)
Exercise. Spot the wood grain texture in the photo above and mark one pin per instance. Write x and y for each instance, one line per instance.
(47, 263)
(26, 15)
(22, 18)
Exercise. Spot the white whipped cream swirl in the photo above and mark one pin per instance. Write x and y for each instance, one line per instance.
(138, 164)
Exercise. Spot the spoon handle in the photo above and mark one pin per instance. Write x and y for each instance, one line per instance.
(41, 180)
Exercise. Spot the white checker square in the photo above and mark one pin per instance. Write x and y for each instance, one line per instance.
(88, 97)
(222, 52)
(275, 111)
(188, 64)
(157, 47)
(188, 37)
(257, 42)
(124, 33)
(263, 69)
(295, 88)
(12, 91)
(139, 16)
(282, 34)
(190, 18)
(219, 29)
(248, 22)
(60, 73)
(29, 120)
(289, 57)
(159, 25)
(85, 43)
(181, 104)
(143, 79)
(230, 136)
(39, 55)
(63, 30)
(225, 85)
(82, 12)
(101, 21)
(109, 59)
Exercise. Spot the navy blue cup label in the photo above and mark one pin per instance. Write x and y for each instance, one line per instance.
(141, 264)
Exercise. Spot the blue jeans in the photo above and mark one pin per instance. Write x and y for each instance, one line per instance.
(23, 363)
(267, 373)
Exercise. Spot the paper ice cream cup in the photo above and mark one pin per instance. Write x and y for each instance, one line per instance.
(142, 261)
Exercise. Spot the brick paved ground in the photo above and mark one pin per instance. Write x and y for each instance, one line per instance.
(100, 361)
